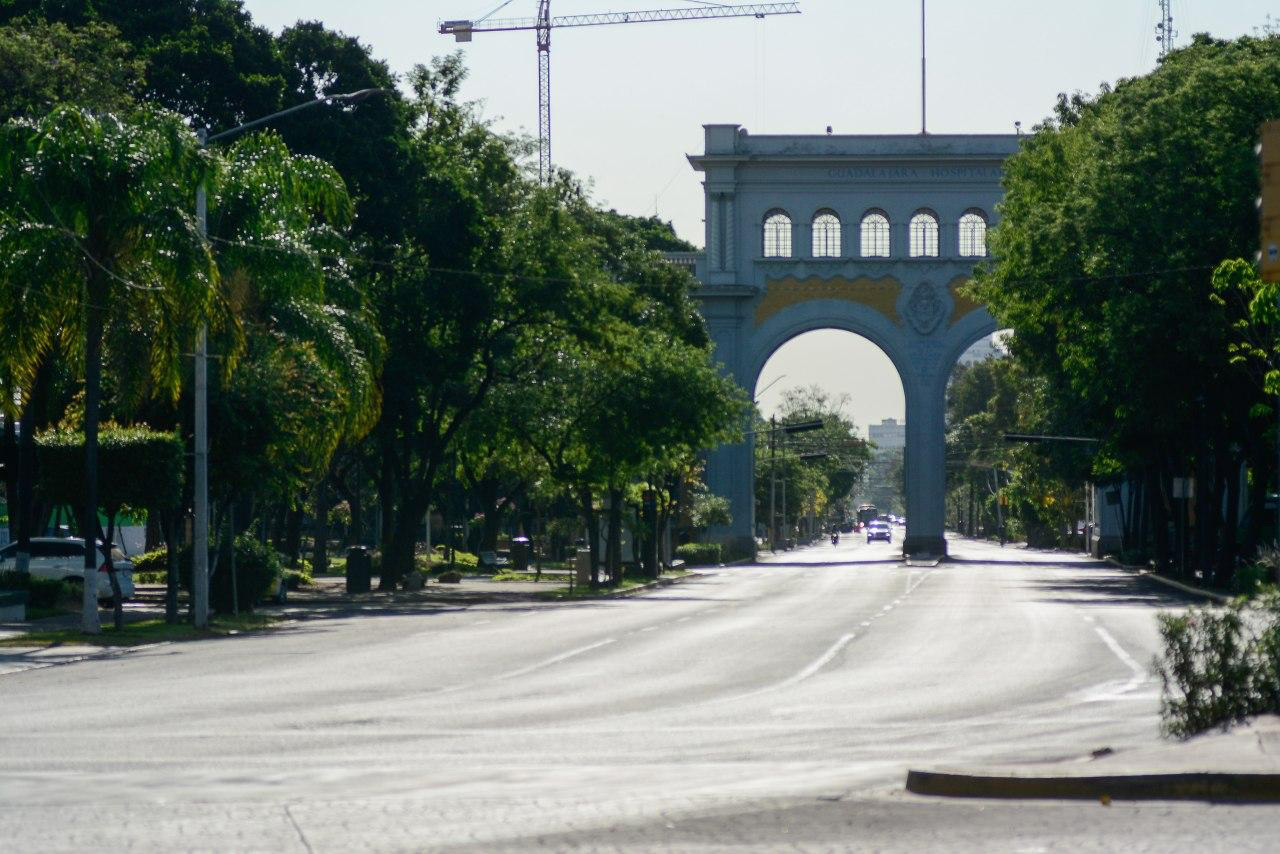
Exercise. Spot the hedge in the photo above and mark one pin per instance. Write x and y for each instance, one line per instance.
(137, 467)
(699, 554)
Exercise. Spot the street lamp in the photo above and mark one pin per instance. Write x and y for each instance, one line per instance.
(200, 487)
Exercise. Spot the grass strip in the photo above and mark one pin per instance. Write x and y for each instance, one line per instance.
(145, 632)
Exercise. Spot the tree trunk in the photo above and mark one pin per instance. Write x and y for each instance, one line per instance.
(1226, 563)
(397, 552)
(117, 597)
(89, 623)
(586, 504)
(615, 536)
(170, 521)
(27, 473)
(355, 534)
(9, 453)
(320, 548)
(1158, 514)
(293, 536)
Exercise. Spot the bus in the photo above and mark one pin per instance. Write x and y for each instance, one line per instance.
(867, 513)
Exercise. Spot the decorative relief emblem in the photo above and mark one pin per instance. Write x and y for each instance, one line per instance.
(925, 308)
(880, 294)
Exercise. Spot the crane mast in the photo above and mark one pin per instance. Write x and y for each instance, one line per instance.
(544, 90)
(543, 24)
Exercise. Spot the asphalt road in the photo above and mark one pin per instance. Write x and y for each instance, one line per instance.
(767, 706)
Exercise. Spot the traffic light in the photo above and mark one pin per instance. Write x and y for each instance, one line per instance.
(1269, 203)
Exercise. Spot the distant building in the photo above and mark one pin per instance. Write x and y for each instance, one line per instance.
(888, 435)
(982, 350)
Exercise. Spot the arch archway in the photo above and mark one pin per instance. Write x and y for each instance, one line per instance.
(905, 295)
(850, 382)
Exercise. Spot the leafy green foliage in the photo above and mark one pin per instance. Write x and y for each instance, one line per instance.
(44, 64)
(96, 228)
(818, 469)
(258, 573)
(41, 592)
(139, 468)
(699, 554)
(1115, 214)
(1219, 666)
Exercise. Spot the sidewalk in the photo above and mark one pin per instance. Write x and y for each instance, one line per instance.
(1242, 765)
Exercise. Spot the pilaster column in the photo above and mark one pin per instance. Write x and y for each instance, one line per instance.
(925, 467)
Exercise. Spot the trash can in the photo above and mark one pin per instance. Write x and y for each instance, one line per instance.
(520, 554)
(582, 567)
(359, 569)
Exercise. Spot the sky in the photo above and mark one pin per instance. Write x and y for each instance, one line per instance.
(629, 101)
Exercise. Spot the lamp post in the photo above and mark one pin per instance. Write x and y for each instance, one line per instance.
(200, 486)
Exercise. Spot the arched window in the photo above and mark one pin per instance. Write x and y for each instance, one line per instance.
(777, 235)
(875, 235)
(924, 235)
(826, 235)
(973, 234)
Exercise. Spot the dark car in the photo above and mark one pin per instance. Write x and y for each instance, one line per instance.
(879, 531)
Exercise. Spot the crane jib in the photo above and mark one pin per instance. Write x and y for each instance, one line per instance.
(601, 18)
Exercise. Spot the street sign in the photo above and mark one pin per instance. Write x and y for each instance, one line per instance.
(1269, 202)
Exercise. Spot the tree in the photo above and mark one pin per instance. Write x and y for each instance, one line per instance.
(43, 65)
(204, 59)
(1116, 212)
(817, 469)
(95, 226)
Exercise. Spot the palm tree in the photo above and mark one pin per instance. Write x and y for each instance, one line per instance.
(96, 230)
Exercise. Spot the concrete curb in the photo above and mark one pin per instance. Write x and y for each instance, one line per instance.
(102, 653)
(1143, 571)
(647, 586)
(1193, 786)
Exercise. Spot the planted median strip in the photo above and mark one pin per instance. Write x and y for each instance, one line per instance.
(145, 632)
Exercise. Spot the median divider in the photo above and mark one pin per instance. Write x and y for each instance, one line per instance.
(1241, 765)
(1187, 786)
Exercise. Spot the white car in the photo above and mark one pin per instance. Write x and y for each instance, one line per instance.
(62, 558)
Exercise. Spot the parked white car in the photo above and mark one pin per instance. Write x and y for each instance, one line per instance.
(62, 558)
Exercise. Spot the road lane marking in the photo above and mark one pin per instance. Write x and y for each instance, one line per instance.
(821, 662)
(555, 659)
(684, 619)
(482, 622)
(649, 628)
(1139, 671)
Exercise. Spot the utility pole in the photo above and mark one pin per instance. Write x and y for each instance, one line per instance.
(773, 483)
(200, 487)
(1165, 33)
(200, 484)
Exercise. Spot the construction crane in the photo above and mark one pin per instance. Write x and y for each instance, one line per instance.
(544, 23)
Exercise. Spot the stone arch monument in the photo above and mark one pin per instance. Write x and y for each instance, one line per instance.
(910, 218)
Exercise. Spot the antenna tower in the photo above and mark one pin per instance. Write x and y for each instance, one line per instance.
(1165, 33)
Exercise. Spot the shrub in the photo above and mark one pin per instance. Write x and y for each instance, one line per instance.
(1219, 666)
(258, 573)
(151, 567)
(295, 579)
(699, 554)
(41, 592)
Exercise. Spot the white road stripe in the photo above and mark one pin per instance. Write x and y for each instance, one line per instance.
(555, 659)
(822, 661)
(1139, 671)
